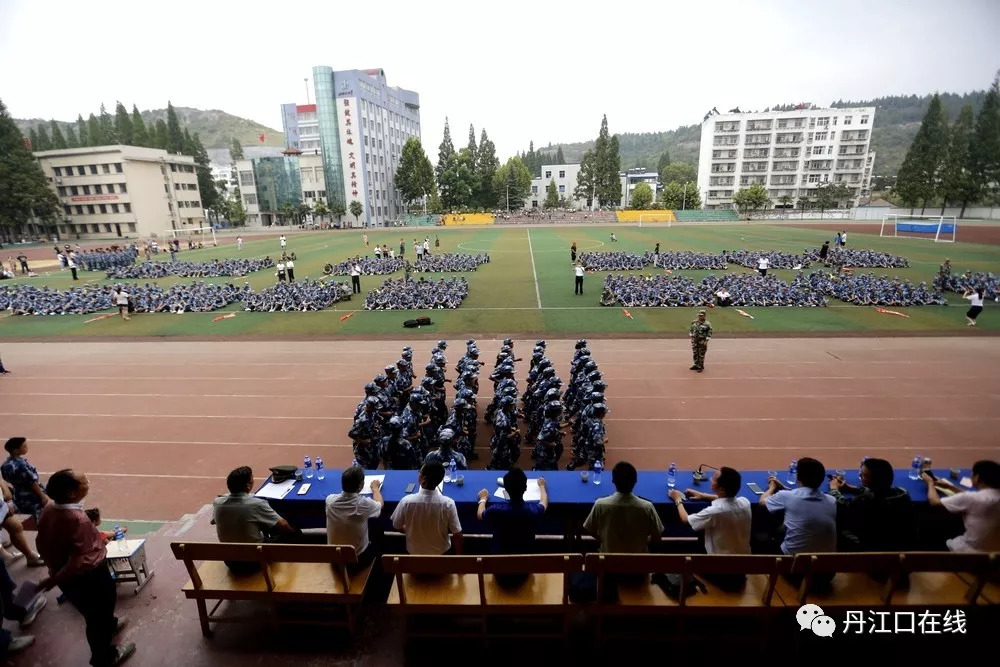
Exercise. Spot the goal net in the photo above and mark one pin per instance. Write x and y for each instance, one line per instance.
(656, 216)
(940, 228)
(193, 236)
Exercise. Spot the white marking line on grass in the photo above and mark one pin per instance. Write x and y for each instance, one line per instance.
(538, 295)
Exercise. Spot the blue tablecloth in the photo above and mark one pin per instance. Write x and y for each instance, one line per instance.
(569, 497)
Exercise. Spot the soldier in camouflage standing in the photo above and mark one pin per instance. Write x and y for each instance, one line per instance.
(701, 333)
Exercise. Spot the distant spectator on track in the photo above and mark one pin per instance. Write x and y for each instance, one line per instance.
(243, 518)
(980, 510)
(29, 497)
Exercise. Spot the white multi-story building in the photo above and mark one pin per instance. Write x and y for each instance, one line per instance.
(565, 177)
(358, 125)
(123, 191)
(634, 177)
(791, 153)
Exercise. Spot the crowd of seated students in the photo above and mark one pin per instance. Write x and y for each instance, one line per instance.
(743, 289)
(23, 299)
(406, 294)
(868, 290)
(369, 266)
(234, 266)
(305, 295)
(450, 262)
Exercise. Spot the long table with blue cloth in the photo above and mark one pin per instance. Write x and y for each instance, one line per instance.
(570, 498)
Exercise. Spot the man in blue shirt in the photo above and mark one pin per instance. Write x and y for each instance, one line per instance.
(810, 514)
(513, 523)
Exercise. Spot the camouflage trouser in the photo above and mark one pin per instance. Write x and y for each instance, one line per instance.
(367, 455)
(505, 450)
(698, 349)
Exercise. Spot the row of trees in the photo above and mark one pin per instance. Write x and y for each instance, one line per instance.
(674, 196)
(535, 160)
(24, 190)
(131, 130)
(599, 176)
(957, 163)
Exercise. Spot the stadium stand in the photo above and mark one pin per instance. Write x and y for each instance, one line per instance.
(714, 215)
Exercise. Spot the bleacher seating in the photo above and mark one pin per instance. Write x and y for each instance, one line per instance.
(457, 219)
(713, 215)
(631, 215)
(289, 573)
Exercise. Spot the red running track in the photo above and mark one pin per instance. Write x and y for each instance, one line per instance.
(158, 425)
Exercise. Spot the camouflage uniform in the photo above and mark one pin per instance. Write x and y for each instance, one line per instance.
(701, 333)
(397, 452)
(366, 435)
(505, 446)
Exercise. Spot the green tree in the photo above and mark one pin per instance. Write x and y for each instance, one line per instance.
(58, 140)
(33, 139)
(203, 168)
(304, 210)
(472, 140)
(487, 164)
(235, 210)
(678, 172)
(140, 135)
(356, 210)
(446, 151)
(414, 175)
(551, 195)
(642, 197)
(71, 140)
(434, 205)
(985, 152)
(81, 131)
(44, 143)
(663, 162)
(24, 189)
(338, 211)
(959, 181)
(162, 137)
(235, 150)
(321, 210)
(751, 199)
(920, 175)
(175, 136)
(512, 183)
(108, 126)
(187, 143)
(690, 196)
(586, 179)
(607, 163)
(95, 133)
(785, 201)
(671, 196)
(123, 125)
(559, 156)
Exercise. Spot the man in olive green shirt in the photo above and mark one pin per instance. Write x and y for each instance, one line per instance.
(624, 523)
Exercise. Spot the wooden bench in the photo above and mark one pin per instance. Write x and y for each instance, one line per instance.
(288, 573)
(467, 587)
(933, 579)
(641, 597)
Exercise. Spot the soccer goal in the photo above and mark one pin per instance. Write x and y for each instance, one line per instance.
(656, 216)
(194, 234)
(940, 228)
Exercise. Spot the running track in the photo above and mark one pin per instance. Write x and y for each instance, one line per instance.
(157, 425)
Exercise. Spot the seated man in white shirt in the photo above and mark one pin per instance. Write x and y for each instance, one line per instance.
(347, 515)
(726, 521)
(980, 509)
(429, 519)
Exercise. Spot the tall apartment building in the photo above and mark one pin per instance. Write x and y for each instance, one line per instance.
(791, 153)
(123, 191)
(359, 125)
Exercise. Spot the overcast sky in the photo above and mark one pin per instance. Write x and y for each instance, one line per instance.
(525, 70)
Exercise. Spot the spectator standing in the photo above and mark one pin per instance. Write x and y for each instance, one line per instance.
(624, 523)
(875, 516)
(762, 265)
(23, 477)
(356, 278)
(24, 264)
(244, 518)
(280, 271)
(824, 251)
(364, 239)
(572, 253)
(348, 513)
(836, 240)
(74, 550)
(10, 645)
(578, 272)
(283, 241)
(429, 518)
(121, 300)
(975, 305)
(71, 263)
(843, 238)
(980, 510)
(3, 370)
(239, 243)
(290, 269)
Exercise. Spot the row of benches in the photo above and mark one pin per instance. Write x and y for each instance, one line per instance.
(467, 586)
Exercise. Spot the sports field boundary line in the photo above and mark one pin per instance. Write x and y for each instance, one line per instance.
(534, 274)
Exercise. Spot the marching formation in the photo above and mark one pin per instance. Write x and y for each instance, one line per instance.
(401, 423)
(420, 294)
(101, 260)
(213, 269)
(307, 295)
(450, 262)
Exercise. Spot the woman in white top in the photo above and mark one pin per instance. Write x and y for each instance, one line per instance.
(578, 270)
(280, 272)
(976, 300)
(762, 264)
(121, 300)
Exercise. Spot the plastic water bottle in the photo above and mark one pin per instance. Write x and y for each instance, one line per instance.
(320, 471)
(598, 468)
(307, 468)
(793, 473)
(452, 471)
(120, 539)
(672, 475)
(915, 467)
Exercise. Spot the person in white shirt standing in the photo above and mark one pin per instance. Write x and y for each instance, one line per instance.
(290, 269)
(348, 513)
(121, 300)
(975, 304)
(763, 264)
(280, 272)
(429, 518)
(578, 271)
(71, 263)
(355, 278)
(283, 241)
(239, 243)
(980, 509)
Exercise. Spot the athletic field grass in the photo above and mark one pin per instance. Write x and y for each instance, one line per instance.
(528, 287)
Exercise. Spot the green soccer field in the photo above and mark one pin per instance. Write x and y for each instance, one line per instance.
(527, 288)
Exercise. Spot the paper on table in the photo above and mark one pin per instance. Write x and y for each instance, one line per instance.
(367, 488)
(966, 482)
(532, 493)
(277, 491)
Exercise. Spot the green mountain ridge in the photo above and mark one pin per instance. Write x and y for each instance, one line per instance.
(216, 128)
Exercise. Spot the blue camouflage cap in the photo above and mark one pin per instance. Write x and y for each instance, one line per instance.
(446, 435)
(431, 367)
(381, 377)
(370, 388)
(395, 423)
(599, 407)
